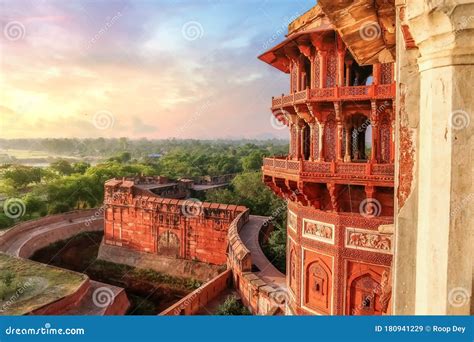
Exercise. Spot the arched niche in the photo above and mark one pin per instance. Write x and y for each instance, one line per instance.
(318, 287)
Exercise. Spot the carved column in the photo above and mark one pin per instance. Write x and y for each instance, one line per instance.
(322, 65)
(438, 280)
(311, 140)
(299, 132)
(321, 143)
(348, 72)
(375, 132)
(376, 73)
(291, 147)
(340, 71)
(347, 152)
(337, 109)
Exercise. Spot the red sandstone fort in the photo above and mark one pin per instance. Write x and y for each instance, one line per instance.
(338, 180)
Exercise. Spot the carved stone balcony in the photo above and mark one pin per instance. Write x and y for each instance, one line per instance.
(330, 172)
(354, 93)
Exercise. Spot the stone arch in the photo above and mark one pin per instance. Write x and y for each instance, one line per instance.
(357, 146)
(318, 287)
(364, 292)
(169, 244)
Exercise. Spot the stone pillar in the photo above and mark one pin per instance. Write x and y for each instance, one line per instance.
(376, 73)
(340, 71)
(339, 141)
(320, 136)
(375, 133)
(440, 283)
(299, 146)
(347, 154)
(322, 68)
(311, 140)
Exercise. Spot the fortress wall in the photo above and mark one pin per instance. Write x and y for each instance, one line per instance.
(183, 229)
(200, 297)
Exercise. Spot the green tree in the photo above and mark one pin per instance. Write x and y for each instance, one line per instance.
(20, 176)
(232, 307)
(62, 167)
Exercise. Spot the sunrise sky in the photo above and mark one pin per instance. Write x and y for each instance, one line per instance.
(154, 69)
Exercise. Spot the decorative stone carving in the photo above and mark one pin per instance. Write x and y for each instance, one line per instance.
(368, 240)
(318, 231)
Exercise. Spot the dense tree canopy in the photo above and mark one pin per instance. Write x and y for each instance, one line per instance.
(67, 184)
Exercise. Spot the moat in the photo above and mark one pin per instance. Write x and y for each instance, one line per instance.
(149, 292)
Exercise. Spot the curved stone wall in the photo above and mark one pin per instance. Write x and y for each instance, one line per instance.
(261, 292)
(27, 237)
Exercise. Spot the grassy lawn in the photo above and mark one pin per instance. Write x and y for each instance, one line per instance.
(26, 285)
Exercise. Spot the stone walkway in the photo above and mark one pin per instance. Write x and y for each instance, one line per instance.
(249, 236)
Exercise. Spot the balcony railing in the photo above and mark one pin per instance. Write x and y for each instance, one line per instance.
(308, 168)
(374, 91)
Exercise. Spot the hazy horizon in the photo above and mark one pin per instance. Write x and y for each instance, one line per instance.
(141, 69)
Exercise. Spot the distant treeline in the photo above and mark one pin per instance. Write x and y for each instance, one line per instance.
(138, 148)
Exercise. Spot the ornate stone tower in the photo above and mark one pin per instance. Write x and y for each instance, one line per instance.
(338, 176)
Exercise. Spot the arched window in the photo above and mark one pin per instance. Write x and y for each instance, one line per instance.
(360, 138)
